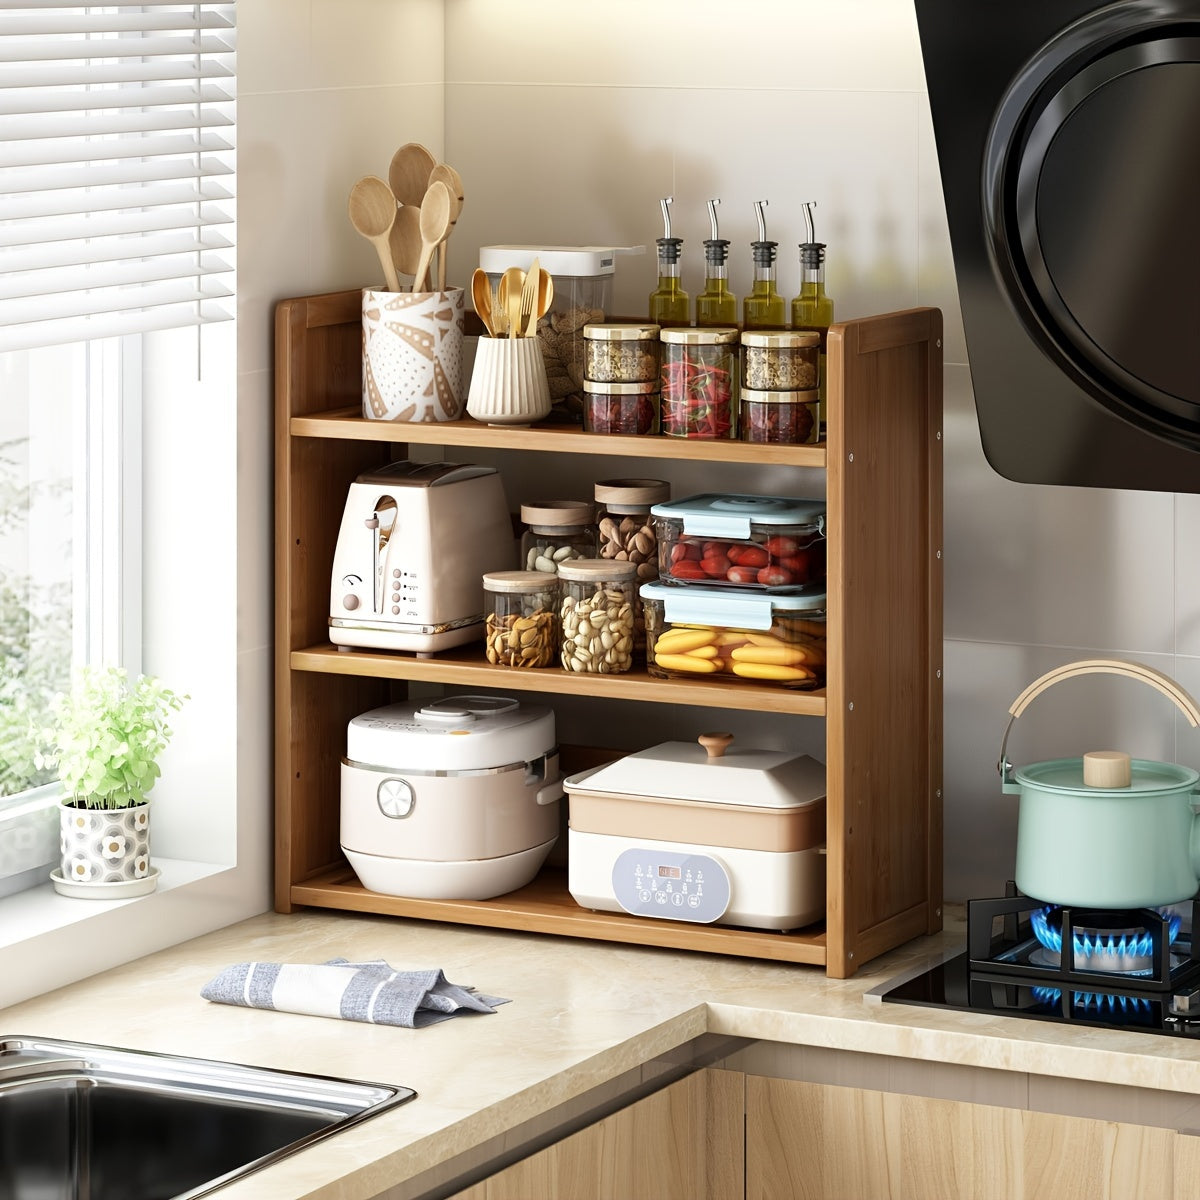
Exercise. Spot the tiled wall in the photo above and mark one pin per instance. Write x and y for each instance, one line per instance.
(568, 122)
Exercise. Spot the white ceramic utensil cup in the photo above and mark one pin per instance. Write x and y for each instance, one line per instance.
(508, 383)
(412, 355)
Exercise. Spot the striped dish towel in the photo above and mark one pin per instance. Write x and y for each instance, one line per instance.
(365, 991)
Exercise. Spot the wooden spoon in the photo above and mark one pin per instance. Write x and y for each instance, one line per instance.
(508, 296)
(453, 181)
(373, 213)
(435, 220)
(409, 173)
(481, 294)
(405, 239)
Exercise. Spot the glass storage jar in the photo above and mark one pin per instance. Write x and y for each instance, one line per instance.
(780, 360)
(557, 531)
(620, 407)
(791, 417)
(705, 633)
(521, 618)
(625, 523)
(698, 377)
(596, 605)
(621, 353)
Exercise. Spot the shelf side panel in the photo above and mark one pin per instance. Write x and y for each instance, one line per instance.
(884, 692)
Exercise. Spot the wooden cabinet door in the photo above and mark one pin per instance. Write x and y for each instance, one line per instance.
(808, 1141)
(682, 1143)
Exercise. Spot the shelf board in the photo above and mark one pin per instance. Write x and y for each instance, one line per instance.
(348, 424)
(468, 666)
(545, 906)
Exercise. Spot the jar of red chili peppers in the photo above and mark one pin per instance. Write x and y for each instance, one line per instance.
(698, 382)
(620, 407)
(780, 416)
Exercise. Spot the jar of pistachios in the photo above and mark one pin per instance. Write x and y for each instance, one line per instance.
(621, 353)
(596, 615)
(521, 618)
(557, 531)
(780, 360)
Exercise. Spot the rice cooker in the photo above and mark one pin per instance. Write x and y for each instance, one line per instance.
(456, 799)
(701, 831)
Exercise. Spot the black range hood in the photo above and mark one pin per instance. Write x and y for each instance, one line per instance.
(1068, 135)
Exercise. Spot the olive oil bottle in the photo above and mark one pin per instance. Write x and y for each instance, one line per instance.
(812, 308)
(716, 305)
(669, 304)
(763, 307)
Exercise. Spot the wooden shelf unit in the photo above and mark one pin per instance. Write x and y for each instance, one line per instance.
(882, 703)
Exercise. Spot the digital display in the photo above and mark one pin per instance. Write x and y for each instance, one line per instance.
(668, 873)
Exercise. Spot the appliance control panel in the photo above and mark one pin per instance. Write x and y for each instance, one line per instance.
(650, 881)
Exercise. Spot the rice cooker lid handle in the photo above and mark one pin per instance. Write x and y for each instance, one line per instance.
(1094, 666)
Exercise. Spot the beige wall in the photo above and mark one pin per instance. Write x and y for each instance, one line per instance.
(568, 121)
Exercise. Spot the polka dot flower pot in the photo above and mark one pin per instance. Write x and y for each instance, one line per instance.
(106, 847)
(412, 355)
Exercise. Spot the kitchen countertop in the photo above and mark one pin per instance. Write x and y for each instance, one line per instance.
(582, 1013)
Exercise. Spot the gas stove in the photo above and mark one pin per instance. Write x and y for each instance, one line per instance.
(1129, 969)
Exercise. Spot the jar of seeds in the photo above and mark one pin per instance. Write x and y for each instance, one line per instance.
(596, 615)
(521, 622)
(557, 531)
(779, 360)
(620, 353)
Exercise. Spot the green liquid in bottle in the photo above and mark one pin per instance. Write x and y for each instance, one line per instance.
(716, 305)
(764, 307)
(669, 303)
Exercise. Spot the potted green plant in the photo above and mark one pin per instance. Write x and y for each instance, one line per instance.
(107, 734)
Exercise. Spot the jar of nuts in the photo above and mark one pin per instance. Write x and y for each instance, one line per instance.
(596, 615)
(620, 407)
(557, 531)
(626, 526)
(521, 623)
(780, 360)
(620, 353)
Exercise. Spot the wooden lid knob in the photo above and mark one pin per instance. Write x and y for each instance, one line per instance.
(715, 743)
(1106, 769)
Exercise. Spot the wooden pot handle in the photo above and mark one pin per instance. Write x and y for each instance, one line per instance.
(1096, 666)
(1108, 666)
(715, 743)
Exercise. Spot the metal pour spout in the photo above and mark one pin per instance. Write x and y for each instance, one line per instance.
(666, 203)
(759, 205)
(808, 206)
(712, 219)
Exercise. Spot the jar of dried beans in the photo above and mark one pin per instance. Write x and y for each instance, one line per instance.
(620, 407)
(780, 416)
(779, 360)
(698, 382)
(557, 531)
(620, 353)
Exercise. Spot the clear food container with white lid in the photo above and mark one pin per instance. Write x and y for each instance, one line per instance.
(706, 633)
(757, 542)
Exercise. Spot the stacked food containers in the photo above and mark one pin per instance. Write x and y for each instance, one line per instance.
(741, 590)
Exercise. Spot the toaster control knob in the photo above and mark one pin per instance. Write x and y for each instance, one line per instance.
(349, 601)
(395, 798)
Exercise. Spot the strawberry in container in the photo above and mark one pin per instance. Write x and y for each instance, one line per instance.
(762, 543)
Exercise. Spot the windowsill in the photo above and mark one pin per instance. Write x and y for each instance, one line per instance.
(41, 910)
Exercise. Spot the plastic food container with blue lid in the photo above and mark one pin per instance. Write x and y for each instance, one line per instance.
(717, 633)
(763, 543)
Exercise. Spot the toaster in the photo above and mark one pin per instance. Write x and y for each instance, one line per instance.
(413, 546)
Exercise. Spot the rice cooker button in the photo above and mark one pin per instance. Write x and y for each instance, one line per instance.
(395, 798)
(350, 602)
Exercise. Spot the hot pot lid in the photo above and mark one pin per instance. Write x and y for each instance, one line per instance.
(742, 776)
(1064, 776)
(458, 733)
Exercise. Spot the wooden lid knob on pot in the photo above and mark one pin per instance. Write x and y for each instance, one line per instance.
(1106, 769)
(715, 743)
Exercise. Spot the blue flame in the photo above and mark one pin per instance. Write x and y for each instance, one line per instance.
(1093, 944)
(1101, 1003)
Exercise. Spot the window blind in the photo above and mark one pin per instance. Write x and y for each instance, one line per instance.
(116, 168)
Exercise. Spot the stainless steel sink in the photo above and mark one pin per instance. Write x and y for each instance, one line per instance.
(81, 1122)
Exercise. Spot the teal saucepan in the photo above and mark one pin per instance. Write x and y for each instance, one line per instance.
(1105, 830)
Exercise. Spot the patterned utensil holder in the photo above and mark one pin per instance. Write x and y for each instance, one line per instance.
(412, 355)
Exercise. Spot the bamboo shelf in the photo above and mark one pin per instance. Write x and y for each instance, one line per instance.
(881, 705)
